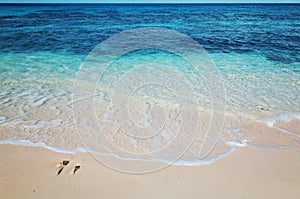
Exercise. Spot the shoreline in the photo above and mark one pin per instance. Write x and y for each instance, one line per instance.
(180, 162)
(259, 136)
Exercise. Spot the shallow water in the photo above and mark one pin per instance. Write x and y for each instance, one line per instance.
(254, 47)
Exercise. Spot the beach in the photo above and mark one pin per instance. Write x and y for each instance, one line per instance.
(30, 172)
(250, 170)
(149, 101)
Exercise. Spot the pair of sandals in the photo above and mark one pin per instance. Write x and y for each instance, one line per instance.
(64, 163)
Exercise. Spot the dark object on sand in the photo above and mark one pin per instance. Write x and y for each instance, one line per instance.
(76, 168)
(62, 165)
(65, 162)
(60, 170)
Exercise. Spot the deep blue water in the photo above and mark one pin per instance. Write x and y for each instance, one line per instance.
(255, 46)
(269, 29)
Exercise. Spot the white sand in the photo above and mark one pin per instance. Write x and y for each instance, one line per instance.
(30, 172)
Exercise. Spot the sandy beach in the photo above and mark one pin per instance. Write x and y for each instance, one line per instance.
(31, 172)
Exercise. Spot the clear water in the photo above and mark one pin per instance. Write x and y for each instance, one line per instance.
(255, 48)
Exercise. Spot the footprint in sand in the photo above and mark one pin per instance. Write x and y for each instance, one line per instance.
(62, 165)
(77, 167)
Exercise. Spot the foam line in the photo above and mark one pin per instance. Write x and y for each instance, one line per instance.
(181, 162)
(43, 145)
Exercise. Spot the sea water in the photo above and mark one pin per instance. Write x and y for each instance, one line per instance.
(255, 48)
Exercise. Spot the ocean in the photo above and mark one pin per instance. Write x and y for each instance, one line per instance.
(150, 104)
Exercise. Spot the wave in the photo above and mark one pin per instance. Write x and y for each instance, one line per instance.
(285, 117)
(234, 145)
(43, 145)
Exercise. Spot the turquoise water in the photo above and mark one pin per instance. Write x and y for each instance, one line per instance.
(255, 49)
